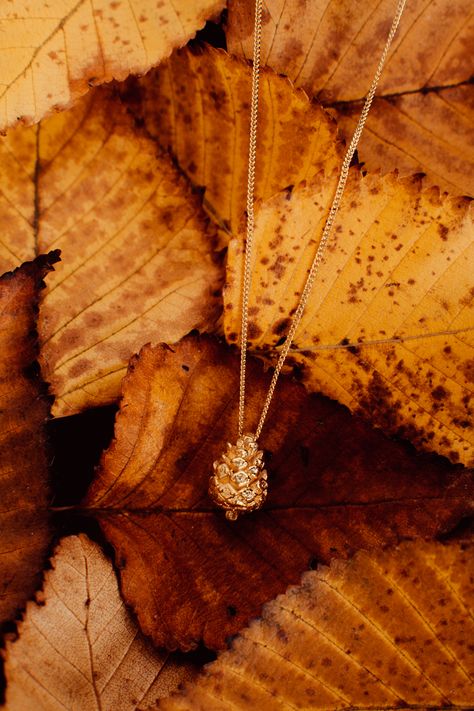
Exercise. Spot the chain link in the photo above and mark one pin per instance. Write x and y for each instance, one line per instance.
(318, 258)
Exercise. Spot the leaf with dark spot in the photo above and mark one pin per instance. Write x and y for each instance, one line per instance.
(53, 54)
(388, 327)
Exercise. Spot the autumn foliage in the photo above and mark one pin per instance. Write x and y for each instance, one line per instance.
(122, 214)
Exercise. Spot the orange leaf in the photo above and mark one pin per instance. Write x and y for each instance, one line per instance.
(24, 408)
(53, 52)
(335, 486)
(386, 630)
(388, 328)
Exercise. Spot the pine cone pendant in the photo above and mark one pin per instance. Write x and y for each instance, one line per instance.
(239, 481)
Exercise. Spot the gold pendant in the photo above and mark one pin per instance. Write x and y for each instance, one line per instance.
(239, 481)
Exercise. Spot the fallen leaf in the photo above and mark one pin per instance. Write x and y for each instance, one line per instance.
(386, 630)
(24, 409)
(197, 105)
(431, 132)
(388, 330)
(53, 52)
(137, 248)
(78, 646)
(331, 47)
(335, 485)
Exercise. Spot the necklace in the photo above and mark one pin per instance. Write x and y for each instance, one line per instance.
(238, 483)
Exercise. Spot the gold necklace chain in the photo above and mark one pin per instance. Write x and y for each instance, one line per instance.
(239, 482)
(257, 43)
(327, 228)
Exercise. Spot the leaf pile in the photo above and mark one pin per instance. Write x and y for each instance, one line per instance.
(141, 186)
(422, 117)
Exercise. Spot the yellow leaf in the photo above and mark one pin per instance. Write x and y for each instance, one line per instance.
(430, 132)
(52, 52)
(331, 47)
(385, 630)
(198, 106)
(79, 648)
(136, 246)
(389, 327)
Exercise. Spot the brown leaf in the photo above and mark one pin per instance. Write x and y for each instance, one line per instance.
(331, 47)
(388, 329)
(336, 485)
(137, 248)
(197, 104)
(386, 630)
(24, 408)
(430, 132)
(53, 52)
(78, 646)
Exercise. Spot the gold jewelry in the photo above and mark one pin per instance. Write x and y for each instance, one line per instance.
(239, 480)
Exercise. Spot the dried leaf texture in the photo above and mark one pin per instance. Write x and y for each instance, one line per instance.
(197, 105)
(335, 485)
(78, 647)
(397, 272)
(24, 408)
(17, 199)
(430, 132)
(386, 630)
(137, 248)
(53, 52)
(331, 47)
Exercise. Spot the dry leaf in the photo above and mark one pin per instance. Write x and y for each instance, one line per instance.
(386, 630)
(389, 327)
(137, 262)
(24, 408)
(197, 104)
(331, 47)
(53, 52)
(430, 132)
(78, 646)
(336, 485)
